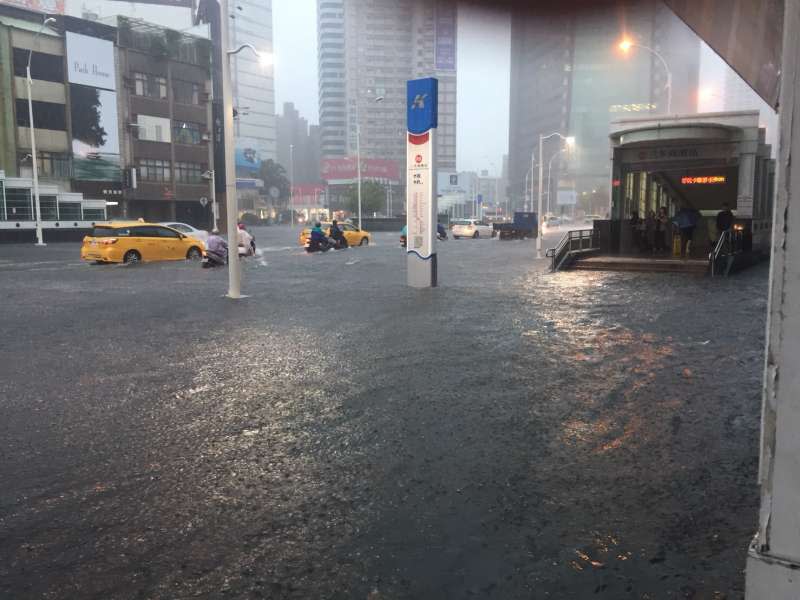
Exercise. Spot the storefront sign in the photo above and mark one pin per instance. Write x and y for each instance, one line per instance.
(338, 171)
(422, 97)
(446, 28)
(51, 7)
(679, 153)
(90, 61)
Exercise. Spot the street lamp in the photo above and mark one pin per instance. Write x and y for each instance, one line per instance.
(549, 168)
(211, 177)
(34, 162)
(231, 204)
(291, 183)
(358, 154)
(625, 46)
(570, 141)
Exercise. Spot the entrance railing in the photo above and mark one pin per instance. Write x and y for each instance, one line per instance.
(573, 242)
(729, 244)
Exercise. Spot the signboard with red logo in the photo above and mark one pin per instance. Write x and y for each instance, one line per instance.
(422, 96)
(308, 195)
(341, 171)
(51, 7)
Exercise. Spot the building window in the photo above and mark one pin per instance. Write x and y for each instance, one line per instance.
(50, 164)
(150, 86)
(187, 92)
(44, 67)
(153, 129)
(154, 170)
(46, 115)
(189, 172)
(186, 133)
(18, 204)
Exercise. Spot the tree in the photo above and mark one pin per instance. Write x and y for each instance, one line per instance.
(373, 197)
(274, 176)
(86, 116)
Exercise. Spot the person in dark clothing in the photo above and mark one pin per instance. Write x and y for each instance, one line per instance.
(724, 219)
(338, 235)
(686, 221)
(663, 228)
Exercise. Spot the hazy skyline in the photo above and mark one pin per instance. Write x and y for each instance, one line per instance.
(483, 76)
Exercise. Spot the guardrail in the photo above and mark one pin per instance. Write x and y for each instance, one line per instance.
(729, 244)
(573, 242)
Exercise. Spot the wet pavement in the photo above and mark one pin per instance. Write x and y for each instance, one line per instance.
(336, 435)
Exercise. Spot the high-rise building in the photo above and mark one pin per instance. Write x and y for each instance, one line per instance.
(368, 49)
(253, 81)
(298, 146)
(738, 95)
(569, 76)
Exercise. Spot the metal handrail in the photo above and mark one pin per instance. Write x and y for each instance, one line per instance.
(567, 246)
(733, 240)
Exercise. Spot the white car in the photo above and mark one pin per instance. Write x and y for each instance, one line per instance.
(471, 228)
(187, 229)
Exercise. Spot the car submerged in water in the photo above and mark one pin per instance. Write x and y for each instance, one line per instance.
(139, 242)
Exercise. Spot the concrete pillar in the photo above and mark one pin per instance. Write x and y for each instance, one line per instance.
(773, 564)
(744, 197)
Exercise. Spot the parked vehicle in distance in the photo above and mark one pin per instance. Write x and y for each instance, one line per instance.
(471, 228)
(552, 221)
(523, 226)
(353, 235)
(133, 242)
(590, 219)
(187, 229)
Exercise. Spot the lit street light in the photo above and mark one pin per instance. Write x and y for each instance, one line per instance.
(570, 141)
(625, 45)
(31, 125)
(232, 208)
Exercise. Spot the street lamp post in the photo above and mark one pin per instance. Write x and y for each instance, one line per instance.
(358, 155)
(231, 204)
(549, 168)
(34, 161)
(291, 183)
(626, 45)
(570, 141)
(211, 177)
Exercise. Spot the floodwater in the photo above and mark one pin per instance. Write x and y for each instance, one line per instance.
(511, 434)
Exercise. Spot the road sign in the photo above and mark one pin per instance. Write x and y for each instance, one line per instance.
(203, 201)
(422, 105)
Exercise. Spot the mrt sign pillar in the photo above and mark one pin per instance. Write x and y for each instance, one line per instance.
(421, 213)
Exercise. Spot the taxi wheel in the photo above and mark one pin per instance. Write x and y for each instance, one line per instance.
(194, 253)
(364, 242)
(132, 256)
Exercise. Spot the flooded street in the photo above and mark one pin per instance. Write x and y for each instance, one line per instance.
(337, 435)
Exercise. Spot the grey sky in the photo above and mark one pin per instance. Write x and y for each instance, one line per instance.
(483, 75)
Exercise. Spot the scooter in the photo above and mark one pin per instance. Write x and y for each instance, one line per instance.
(314, 246)
(212, 260)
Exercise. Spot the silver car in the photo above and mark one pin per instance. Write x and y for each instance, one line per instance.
(471, 228)
(187, 229)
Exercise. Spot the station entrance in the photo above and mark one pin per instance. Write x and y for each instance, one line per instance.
(699, 162)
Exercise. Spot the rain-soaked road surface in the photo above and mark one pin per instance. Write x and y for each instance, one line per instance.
(512, 434)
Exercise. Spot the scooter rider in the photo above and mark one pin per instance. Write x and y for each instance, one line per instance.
(216, 251)
(245, 241)
(317, 240)
(338, 235)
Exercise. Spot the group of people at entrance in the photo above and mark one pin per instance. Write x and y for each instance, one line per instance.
(658, 234)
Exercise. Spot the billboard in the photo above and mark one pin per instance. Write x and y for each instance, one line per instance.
(90, 61)
(446, 28)
(95, 134)
(51, 7)
(345, 170)
(181, 3)
(249, 154)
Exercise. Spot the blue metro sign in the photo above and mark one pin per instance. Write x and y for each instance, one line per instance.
(423, 104)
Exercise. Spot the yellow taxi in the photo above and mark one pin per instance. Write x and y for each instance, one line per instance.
(133, 242)
(353, 235)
